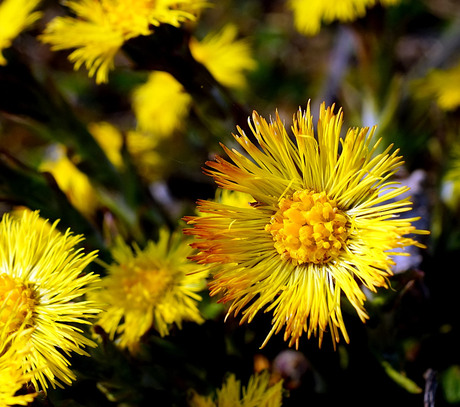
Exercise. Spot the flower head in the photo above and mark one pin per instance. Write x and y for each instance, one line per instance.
(101, 27)
(149, 161)
(441, 85)
(226, 57)
(308, 15)
(324, 220)
(110, 139)
(161, 105)
(142, 147)
(41, 283)
(154, 287)
(258, 393)
(75, 184)
(15, 16)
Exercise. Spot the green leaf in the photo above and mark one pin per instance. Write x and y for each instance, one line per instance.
(401, 378)
(450, 382)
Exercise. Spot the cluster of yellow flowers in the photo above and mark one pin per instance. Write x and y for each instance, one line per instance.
(301, 220)
(43, 283)
(305, 250)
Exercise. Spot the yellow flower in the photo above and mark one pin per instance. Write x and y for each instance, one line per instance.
(13, 347)
(41, 281)
(233, 198)
(309, 14)
(324, 219)
(141, 146)
(161, 105)
(257, 393)
(72, 182)
(15, 17)
(12, 376)
(101, 27)
(442, 85)
(110, 139)
(226, 57)
(154, 287)
(148, 161)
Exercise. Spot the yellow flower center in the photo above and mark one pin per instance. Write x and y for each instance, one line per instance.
(129, 17)
(17, 303)
(308, 228)
(146, 285)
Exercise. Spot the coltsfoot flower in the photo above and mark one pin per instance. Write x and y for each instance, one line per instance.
(15, 16)
(442, 86)
(74, 183)
(161, 105)
(42, 281)
(101, 27)
(226, 56)
(309, 15)
(324, 220)
(151, 288)
(259, 392)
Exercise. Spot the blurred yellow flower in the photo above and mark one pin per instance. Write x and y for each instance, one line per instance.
(258, 393)
(75, 184)
(226, 57)
(101, 27)
(41, 280)
(324, 219)
(233, 198)
(441, 85)
(310, 14)
(141, 146)
(143, 149)
(15, 17)
(109, 139)
(148, 288)
(161, 105)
